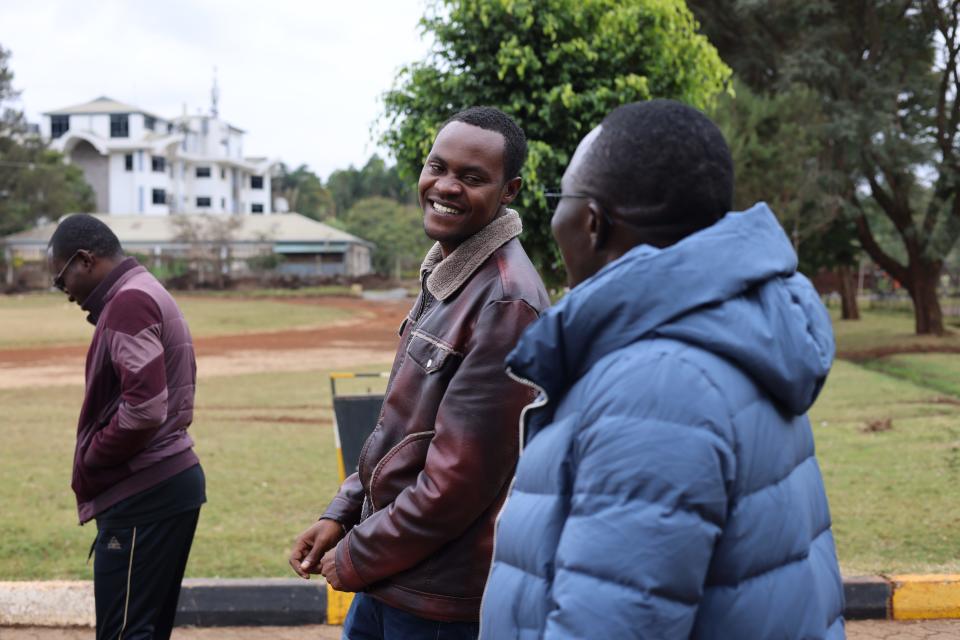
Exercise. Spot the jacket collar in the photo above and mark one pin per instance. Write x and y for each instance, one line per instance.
(99, 297)
(447, 275)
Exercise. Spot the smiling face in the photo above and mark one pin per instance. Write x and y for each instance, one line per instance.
(462, 187)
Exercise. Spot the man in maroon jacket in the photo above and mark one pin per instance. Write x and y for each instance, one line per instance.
(134, 468)
(412, 530)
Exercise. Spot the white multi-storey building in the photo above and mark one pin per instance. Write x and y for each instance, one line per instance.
(138, 162)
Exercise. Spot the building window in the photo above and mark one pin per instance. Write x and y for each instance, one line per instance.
(158, 163)
(256, 182)
(159, 196)
(128, 162)
(223, 173)
(119, 125)
(223, 204)
(59, 125)
(149, 122)
(203, 202)
(256, 208)
(203, 172)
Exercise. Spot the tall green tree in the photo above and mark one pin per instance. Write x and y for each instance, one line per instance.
(34, 182)
(395, 228)
(374, 179)
(777, 142)
(304, 192)
(888, 77)
(556, 66)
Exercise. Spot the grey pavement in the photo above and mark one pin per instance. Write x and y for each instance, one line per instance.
(856, 630)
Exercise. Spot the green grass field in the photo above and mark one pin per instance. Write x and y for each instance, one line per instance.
(266, 443)
(892, 493)
(48, 319)
(879, 330)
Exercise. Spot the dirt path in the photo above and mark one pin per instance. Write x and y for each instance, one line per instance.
(370, 337)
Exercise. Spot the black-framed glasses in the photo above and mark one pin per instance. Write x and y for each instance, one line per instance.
(58, 279)
(621, 214)
(554, 198)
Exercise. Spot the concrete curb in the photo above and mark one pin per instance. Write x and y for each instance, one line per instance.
(866, 598)
(203, 603)
(281, 601)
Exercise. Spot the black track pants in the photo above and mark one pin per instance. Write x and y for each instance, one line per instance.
(136, 577)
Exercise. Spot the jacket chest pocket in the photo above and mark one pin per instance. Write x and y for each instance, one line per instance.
(429, 352)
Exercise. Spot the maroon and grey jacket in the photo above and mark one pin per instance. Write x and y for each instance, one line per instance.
(140, 382)
(433, 474)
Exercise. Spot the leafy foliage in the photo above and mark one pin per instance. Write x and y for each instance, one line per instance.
(395, 228)
(304, 192)
(777, 147)
(375, 179)
(34, 182)
(888, 76)
(557, 67)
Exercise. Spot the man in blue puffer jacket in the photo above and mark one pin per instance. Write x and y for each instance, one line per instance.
(668, 486)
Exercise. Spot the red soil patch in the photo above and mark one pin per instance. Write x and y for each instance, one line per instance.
(373, 327)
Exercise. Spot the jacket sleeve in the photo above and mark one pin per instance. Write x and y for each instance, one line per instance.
(652, 470)
(347, 505)
(133, 335)
(470, 459)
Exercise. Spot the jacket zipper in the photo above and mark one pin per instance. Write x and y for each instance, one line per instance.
(420, 310)
(540, 401)
(536, 404)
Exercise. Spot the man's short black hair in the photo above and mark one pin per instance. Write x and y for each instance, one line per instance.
(666, 163)
(82, 231)
(492, 119)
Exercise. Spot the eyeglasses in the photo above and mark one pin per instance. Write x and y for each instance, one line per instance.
(621, 214)
(554, 198)
(58, 279)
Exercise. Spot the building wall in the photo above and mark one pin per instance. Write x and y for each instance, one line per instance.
(357, 260)
(250, 196)
(207, 142)
(96, 171)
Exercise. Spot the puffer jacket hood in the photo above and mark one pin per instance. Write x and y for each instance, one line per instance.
(741, 299)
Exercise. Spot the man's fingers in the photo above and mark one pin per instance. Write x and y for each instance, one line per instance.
(310, 561)
(295, 565)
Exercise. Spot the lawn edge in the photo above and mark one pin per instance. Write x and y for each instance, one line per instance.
(215, 602)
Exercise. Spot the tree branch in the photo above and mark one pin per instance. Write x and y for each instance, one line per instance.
(869, 243)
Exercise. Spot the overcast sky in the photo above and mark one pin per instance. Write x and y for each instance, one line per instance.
(303, 78)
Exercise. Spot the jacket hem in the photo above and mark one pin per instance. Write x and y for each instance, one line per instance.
(431, 606)
(140, 481)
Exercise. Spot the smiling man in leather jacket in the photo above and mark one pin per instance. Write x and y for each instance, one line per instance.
(413, 529)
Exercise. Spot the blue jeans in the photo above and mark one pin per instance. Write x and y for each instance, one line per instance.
(370, 619)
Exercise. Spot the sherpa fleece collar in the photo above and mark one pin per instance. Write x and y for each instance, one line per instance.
(448, 275)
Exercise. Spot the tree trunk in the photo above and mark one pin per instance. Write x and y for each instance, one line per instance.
(848, 293)
(927, 314)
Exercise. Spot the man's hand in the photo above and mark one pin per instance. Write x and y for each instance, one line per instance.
(310, 546)
(328, 567)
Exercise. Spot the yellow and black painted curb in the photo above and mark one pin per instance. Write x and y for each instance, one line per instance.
(902, 597)
(291, 601)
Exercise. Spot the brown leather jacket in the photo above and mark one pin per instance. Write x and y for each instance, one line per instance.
(435, 471)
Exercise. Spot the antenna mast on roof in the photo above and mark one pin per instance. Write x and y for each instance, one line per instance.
(214, 96)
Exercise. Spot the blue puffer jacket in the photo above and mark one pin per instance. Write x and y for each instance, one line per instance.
(668, 487)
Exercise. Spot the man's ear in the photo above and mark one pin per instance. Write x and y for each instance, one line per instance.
(599, 229)
(87, 259)
(510, 190)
